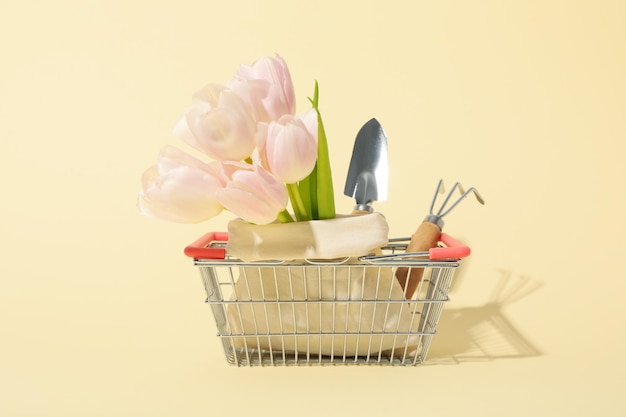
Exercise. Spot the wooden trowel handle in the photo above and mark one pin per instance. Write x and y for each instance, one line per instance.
(425, 237)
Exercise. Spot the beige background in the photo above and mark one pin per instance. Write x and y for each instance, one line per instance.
(102, 315)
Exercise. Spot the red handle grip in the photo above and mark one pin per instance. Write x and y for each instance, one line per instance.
(453, 250)
(199, 249)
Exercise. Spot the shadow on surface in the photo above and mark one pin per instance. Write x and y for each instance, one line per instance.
(484, 333)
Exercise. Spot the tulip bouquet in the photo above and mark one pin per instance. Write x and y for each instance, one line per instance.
(261, 155)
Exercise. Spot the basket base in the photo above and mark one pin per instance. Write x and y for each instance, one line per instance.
(260, 357)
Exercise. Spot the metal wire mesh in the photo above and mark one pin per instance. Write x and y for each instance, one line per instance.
(343, 312)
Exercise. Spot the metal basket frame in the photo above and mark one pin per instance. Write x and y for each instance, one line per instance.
(268, 347)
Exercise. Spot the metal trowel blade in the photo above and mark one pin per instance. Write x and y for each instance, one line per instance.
(368, 175)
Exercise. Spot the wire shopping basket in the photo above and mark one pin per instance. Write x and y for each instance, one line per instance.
(349, 311)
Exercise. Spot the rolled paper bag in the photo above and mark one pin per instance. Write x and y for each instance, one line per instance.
(341, 237)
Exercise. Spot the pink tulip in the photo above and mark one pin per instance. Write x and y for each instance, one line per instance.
(251, 192)
(289, 147)
(180, 188)
(266, 87)
(219, 124)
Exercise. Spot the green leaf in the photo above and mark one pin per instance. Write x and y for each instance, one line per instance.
(313, 194)
(325, 192)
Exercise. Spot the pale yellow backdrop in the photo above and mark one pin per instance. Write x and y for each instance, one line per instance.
(102, 315)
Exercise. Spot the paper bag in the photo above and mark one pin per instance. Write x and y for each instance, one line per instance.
(343, 236)
(317, 301)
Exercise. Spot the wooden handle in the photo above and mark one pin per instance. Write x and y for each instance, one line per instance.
(425, 237)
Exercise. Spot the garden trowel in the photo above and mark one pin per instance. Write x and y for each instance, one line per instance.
(368, 175)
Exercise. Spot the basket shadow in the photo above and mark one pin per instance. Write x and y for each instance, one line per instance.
(484, 332)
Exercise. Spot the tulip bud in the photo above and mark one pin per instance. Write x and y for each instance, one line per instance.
(219, 124)
(289, 150)
(251, 192)
(266, 87)
(180, 188)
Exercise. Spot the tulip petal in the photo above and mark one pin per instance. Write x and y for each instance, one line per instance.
(218, 124)
(180, 188)
(290, 150)
(267, 88)
(208, 95)
(309, 119)
(252, 193)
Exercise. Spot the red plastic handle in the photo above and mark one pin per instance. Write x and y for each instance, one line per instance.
(453, 250)
(199, 249)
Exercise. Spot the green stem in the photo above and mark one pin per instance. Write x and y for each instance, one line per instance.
(304, 187)
(285, 217)
(296, 201)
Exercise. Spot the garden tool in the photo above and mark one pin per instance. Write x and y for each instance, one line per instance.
(368, 175)
(427, 234)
